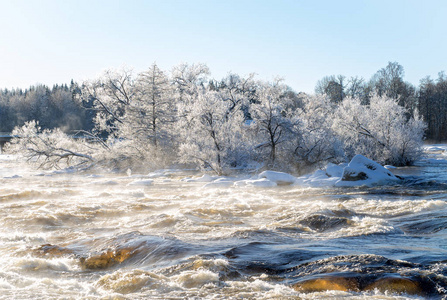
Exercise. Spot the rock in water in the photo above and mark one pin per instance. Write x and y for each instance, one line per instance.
(364, 171)
(396, 285)
(327, 284)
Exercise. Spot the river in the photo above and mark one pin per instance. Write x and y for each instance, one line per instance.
(160, 236)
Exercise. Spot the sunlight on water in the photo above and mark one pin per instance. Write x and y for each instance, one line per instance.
(67, 235)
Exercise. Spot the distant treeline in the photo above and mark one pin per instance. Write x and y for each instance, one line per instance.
(58, 107)
(61, 106)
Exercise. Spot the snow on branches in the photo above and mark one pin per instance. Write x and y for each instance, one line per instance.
(50, 148)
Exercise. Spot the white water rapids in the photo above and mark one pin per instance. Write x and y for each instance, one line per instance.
(112, 236)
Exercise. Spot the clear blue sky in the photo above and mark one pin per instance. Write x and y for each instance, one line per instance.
(50, 42)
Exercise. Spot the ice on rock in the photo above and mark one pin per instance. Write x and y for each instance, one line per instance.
(279, 178)
(363, 171)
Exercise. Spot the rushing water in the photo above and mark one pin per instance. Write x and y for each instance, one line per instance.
(79, 236)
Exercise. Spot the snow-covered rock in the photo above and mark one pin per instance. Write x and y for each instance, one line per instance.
(333, 170)
(363, 171)
(279, 178)
(319, 178)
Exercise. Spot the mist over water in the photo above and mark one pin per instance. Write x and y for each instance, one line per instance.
(159, 236)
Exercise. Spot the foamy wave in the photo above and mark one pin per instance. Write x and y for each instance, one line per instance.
(130, 282)
(366, 226)
(195, 279)
(387, 208)
(40, 264)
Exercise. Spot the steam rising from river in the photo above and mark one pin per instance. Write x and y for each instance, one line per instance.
(69, 235)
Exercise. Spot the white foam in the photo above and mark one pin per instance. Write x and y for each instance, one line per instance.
(195, 279)
(219, 184)
(262, 182)
(144, 182)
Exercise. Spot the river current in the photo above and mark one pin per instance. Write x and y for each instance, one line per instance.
(161, 236)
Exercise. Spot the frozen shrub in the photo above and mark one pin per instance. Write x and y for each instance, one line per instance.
(381, 130)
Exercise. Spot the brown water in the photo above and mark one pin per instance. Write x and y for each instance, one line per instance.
(112, 236)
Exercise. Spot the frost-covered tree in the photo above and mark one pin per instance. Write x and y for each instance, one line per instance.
(188, 78)
(110, 95)
(211, 135)
(158, 118)
(271, 119)
(50, 148)
(389, 82)
(382, 131)
(332, 86)
(314, 143)
(144, 134)
(149, 116)
(238, 91)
